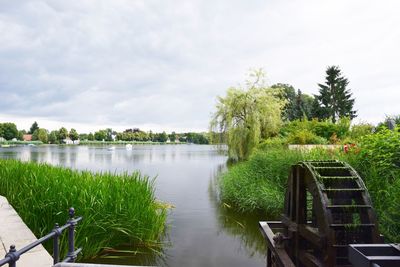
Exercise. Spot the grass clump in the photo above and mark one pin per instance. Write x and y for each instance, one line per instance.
(260, 182)
(117, 209)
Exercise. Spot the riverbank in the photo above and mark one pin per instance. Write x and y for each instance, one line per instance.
(117, 209)
(260, 182)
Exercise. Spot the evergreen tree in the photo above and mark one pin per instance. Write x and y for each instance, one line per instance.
(334, 97)
(33, 128)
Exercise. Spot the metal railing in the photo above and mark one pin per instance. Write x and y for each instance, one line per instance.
(13, 255)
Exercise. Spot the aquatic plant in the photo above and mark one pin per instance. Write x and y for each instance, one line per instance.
(117, 209)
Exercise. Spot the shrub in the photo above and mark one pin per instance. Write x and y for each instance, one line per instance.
(360, 130)
(382, 150)
(325, 129)
(303, 137)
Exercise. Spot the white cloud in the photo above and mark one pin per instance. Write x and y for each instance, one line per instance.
(162, 63)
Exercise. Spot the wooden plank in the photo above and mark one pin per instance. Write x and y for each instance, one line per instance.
(309, 260)
(312, 234)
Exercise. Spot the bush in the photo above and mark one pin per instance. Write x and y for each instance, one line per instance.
(382, 150)
(360, 130)
(274, 142)
(300, 130)
(304, 137)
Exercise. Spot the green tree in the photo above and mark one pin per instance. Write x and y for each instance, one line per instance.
(33, 128)
(62, 134)
(248, 114)
(172, 137)
(297, 105)
(109, 134)
(287, 93)
(40, 134)
(21, 135)
(53, 137)
(83, 136)
(100, 135)
(162, 137)
(8, 130)
(73, 134)
(90, 137)
(334, 97)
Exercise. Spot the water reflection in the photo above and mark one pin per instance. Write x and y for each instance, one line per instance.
(242, 226)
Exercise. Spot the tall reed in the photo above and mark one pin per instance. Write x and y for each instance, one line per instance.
(116, 209)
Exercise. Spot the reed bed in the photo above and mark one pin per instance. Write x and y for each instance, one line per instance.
(117, 209)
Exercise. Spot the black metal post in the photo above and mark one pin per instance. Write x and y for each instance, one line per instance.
(71, 235)
(13, 256)
(56, 244)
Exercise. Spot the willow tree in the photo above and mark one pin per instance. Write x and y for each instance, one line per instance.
(248, 114)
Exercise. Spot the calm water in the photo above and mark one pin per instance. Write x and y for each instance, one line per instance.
(201, 231)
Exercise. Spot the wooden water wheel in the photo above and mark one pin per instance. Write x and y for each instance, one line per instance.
(327, 207)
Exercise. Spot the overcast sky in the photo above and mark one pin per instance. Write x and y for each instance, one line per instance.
(161, 64)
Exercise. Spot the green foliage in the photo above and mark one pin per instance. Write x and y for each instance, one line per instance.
(117, 209)
(62, 134)
(360, 130)
(334, 99)
(160, 137)
(40, 135)
(303, 137)
(297, 105)
(90, 137)
(83, 136)
(195, 138)
(315, 132)
(172, 137)
(53, 137)
(8, 130)
(100, 135)
(274, 142)
(259, 183)
(33, 128)
(73, 134)
(21, 135)
(327, 128)
(384, 124)
(382, 149)
(248, 114)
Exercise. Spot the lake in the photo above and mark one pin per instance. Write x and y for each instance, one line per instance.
(201, 230)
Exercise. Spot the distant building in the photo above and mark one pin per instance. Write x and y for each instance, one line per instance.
(27, 137)
(68, 141)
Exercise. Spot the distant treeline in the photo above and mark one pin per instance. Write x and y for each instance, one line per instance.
(9, 132)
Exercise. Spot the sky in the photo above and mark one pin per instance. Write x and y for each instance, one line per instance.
(160, 65)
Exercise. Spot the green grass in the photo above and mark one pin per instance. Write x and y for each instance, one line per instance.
(18, 142)
(260, 182)
(116, 209)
